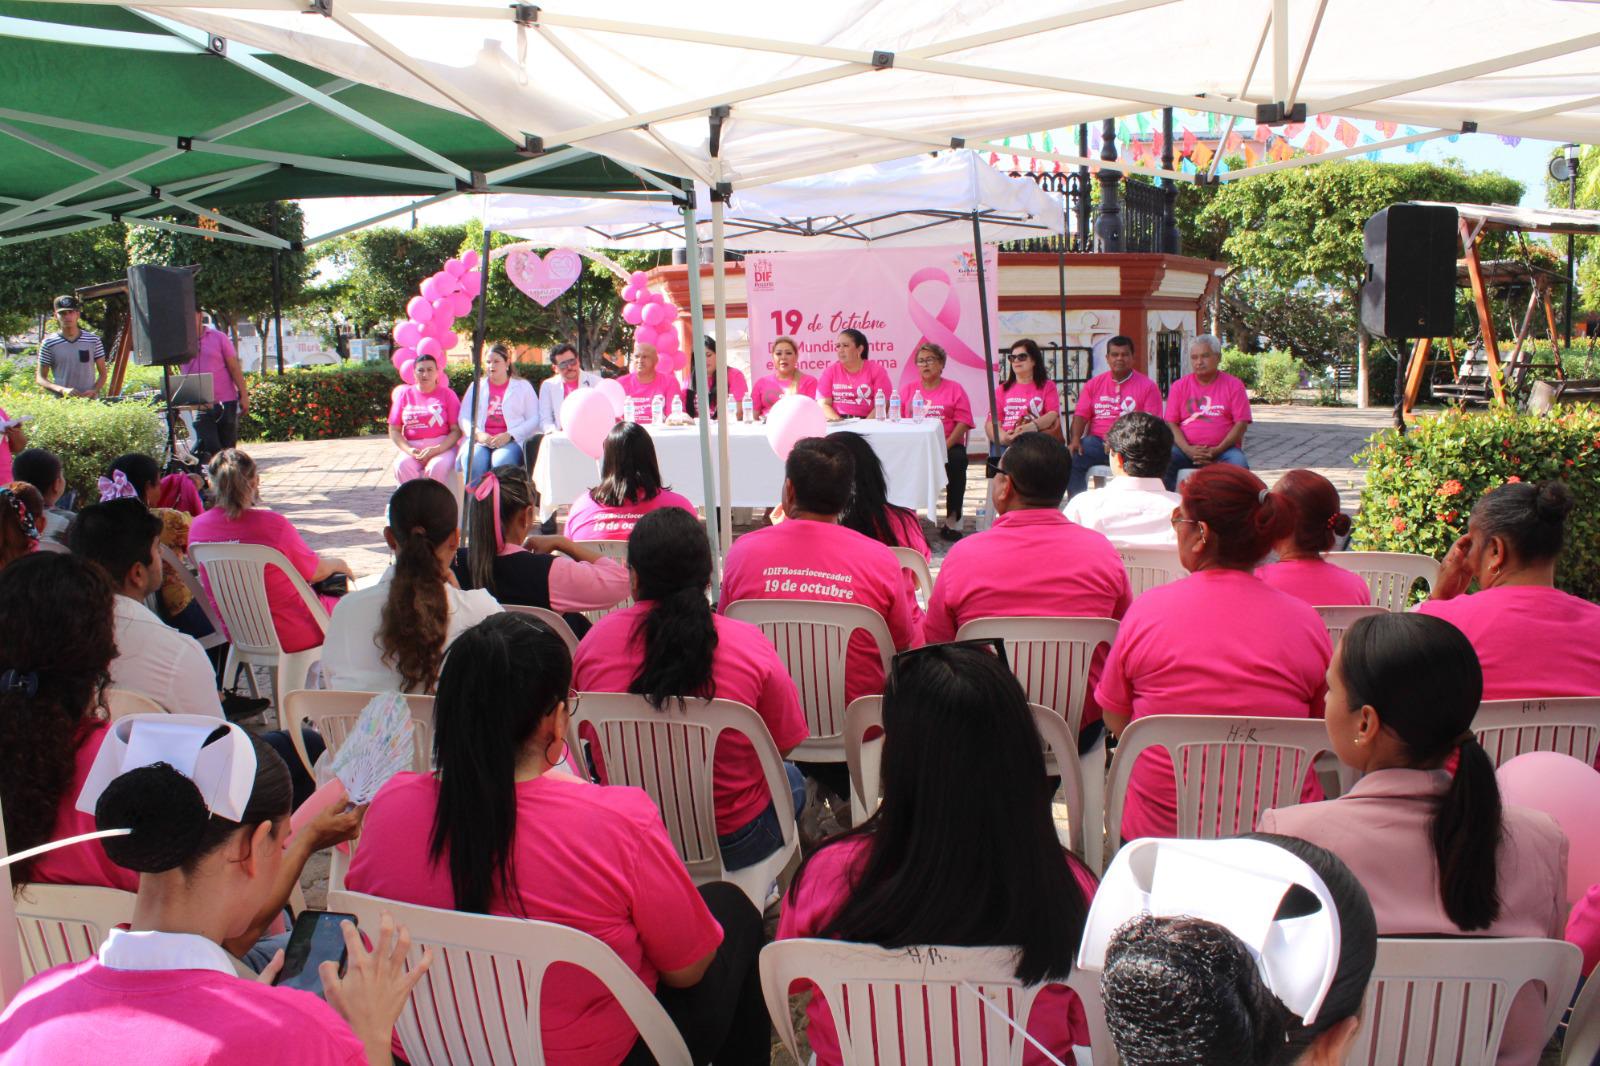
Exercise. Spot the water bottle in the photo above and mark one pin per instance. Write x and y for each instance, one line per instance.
(894, 406)
(658, 406)
(919, 408)
(733, 409)
(749, 407)
(677, 408)
(629, 412)
(878, 406)
(982, 521)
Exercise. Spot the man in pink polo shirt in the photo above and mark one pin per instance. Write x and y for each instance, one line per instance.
(218, 428)
(645, 383)
(1208, 411)
(1034, 561)
(1105, 398)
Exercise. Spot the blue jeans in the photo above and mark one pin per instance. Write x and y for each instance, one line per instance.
(485, 459)
(1181, 462)
(1094, 454)
(761, 836)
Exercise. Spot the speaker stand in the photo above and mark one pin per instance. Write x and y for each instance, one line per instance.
(173, 465)
(1402, 368)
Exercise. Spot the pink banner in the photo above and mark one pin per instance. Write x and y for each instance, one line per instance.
(898, 297)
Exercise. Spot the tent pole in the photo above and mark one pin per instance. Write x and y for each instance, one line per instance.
(691, 255)
(277, 296)
(720, 302)
(1061, 278)
(988, 342)
(478, 333)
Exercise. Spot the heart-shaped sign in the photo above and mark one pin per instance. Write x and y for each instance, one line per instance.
(544, 279)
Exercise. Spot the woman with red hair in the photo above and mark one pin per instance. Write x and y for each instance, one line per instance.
(1301, 570)
(1220, 641)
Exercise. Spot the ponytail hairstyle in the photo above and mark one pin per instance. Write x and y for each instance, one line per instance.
(514, 498)
(233, 475)
(49, 687)
(416, 617)
(172, 829)
(1246, 518)
(1318, 518)
(1531, 518)
(1422, 677)
(671, 560)
(501, 679)
(629, 472)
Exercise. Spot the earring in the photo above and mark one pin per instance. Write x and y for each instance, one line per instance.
(556, 762)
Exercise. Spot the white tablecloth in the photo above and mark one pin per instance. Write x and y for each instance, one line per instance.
(913, 457)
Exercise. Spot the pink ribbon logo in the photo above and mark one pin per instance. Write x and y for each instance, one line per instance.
(938, 327)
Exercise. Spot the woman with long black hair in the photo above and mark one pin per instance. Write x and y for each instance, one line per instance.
(1029, 401)
(940, 865)
(672, 646)
(630, 486)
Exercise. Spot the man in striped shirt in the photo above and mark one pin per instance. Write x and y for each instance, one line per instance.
(74, 357)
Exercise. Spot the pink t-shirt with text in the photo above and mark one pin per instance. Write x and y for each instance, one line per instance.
(81, 864)
(297, 630)
(1504, 623)
(1206, 413)
(947, 402)
(639, 407)
(1319, 583)
(804, 560)
(1023, 400)
(1104, 400)
(744, 668)
(494, 416)
(424, 415)
(1057, 1020)
(769, 390)
(1216, 642)
(588, 520)
(596, 859)
(853, 394)
(212, 358)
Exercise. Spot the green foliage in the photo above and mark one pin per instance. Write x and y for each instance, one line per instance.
(34, 273)
(1277, 376)
(1421, 487)
(86, 434)
(1241, 365)
(1306, 319)
(1586, 249)
(383, 269)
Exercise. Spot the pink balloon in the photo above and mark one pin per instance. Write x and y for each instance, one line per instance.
(469, 258)
(401, 355)
(430, 289)
(586, 418)
(650, 296)
(673, 360)
(630, 314)
(1568, 790)
(667, 340)
(448, 286)
(472, 283)
(630, 292)
(647, 335)
(639, 278)
(460, 305)
(793, 419)
(407, 333)
(408, 371)
(429, 346)
(672, 311)
(612, 391)
(441, 310)
(450, 339)
(653, 314)
(419, 310)
(454, 267)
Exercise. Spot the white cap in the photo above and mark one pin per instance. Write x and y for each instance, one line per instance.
(224, 771)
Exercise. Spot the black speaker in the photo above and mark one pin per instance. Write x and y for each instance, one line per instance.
(162, 303)
(1410, 288)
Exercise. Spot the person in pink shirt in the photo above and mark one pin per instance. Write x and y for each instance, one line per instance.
(1105, 398)
(911, 874)
(630, 487)
(423, 425)
(738, 384)
(1208, 411)
(849, 387)
(671, 646)
(1301, 569)
(947, 402)
(1033, 561)
(1402, 693)
(218, 428)
(239, 518)
(502, 827)
(1029, 401)
(644, 384)
(786, 377)
(1533, 639)
(13, 439)
(870, 513)
(1220, 641)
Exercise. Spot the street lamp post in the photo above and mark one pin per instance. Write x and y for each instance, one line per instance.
(1565, 168)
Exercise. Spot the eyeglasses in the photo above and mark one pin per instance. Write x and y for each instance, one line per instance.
(566, 364)
(1178, 519)
(1020, 357)
(994, 645)
(930, 361)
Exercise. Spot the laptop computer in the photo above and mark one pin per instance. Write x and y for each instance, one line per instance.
(190, 390)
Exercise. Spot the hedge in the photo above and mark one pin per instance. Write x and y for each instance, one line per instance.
(1421, 487)
(1277, 376)
(1240, 364)
(86, 434)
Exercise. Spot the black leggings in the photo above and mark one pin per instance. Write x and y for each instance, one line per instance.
(955, 469)
(722, 1017)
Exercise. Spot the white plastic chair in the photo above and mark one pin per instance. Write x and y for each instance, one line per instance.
(478, 1004)
(1390, 575)
(1446, 1001)
(557, 624)
(121, 702)
(611, 549)
(334, 715)
(912, 560)
(812, 638)
(1051, 657)
(176, 566)
(66, 923)
(864, 758)
(1149, 567)
(237, 575)
(669, 754)
(1338, 619)
(1569, 725)
(1582, 1041)
(1228, 768)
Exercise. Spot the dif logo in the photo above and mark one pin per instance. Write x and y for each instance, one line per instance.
(761, 275)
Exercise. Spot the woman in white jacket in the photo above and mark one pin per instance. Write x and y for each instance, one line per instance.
(499, 419)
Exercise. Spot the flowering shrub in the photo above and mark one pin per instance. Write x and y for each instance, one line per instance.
(1420, 488)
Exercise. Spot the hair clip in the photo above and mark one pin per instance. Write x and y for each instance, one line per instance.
(18, 681)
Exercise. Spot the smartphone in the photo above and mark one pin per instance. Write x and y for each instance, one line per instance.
(317, 938)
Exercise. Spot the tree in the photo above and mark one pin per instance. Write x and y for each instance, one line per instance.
(34, 273)
(382, 269)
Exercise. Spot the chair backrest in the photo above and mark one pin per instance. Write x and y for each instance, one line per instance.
(237, 574)
(1338, 619)
(478, 1004)
(912, 560)
(557, 624)
(811, 637)
(1446, 1001)
(864, 757)
(1582, 1043)
(913, 1005)
(334, 715)
(1569, 725)
(1050, 656)
(669, 753)
(121, 702)
(1149, 567)
(180, 569)
(66, 923)
(1228, 768)
(1390, 575)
